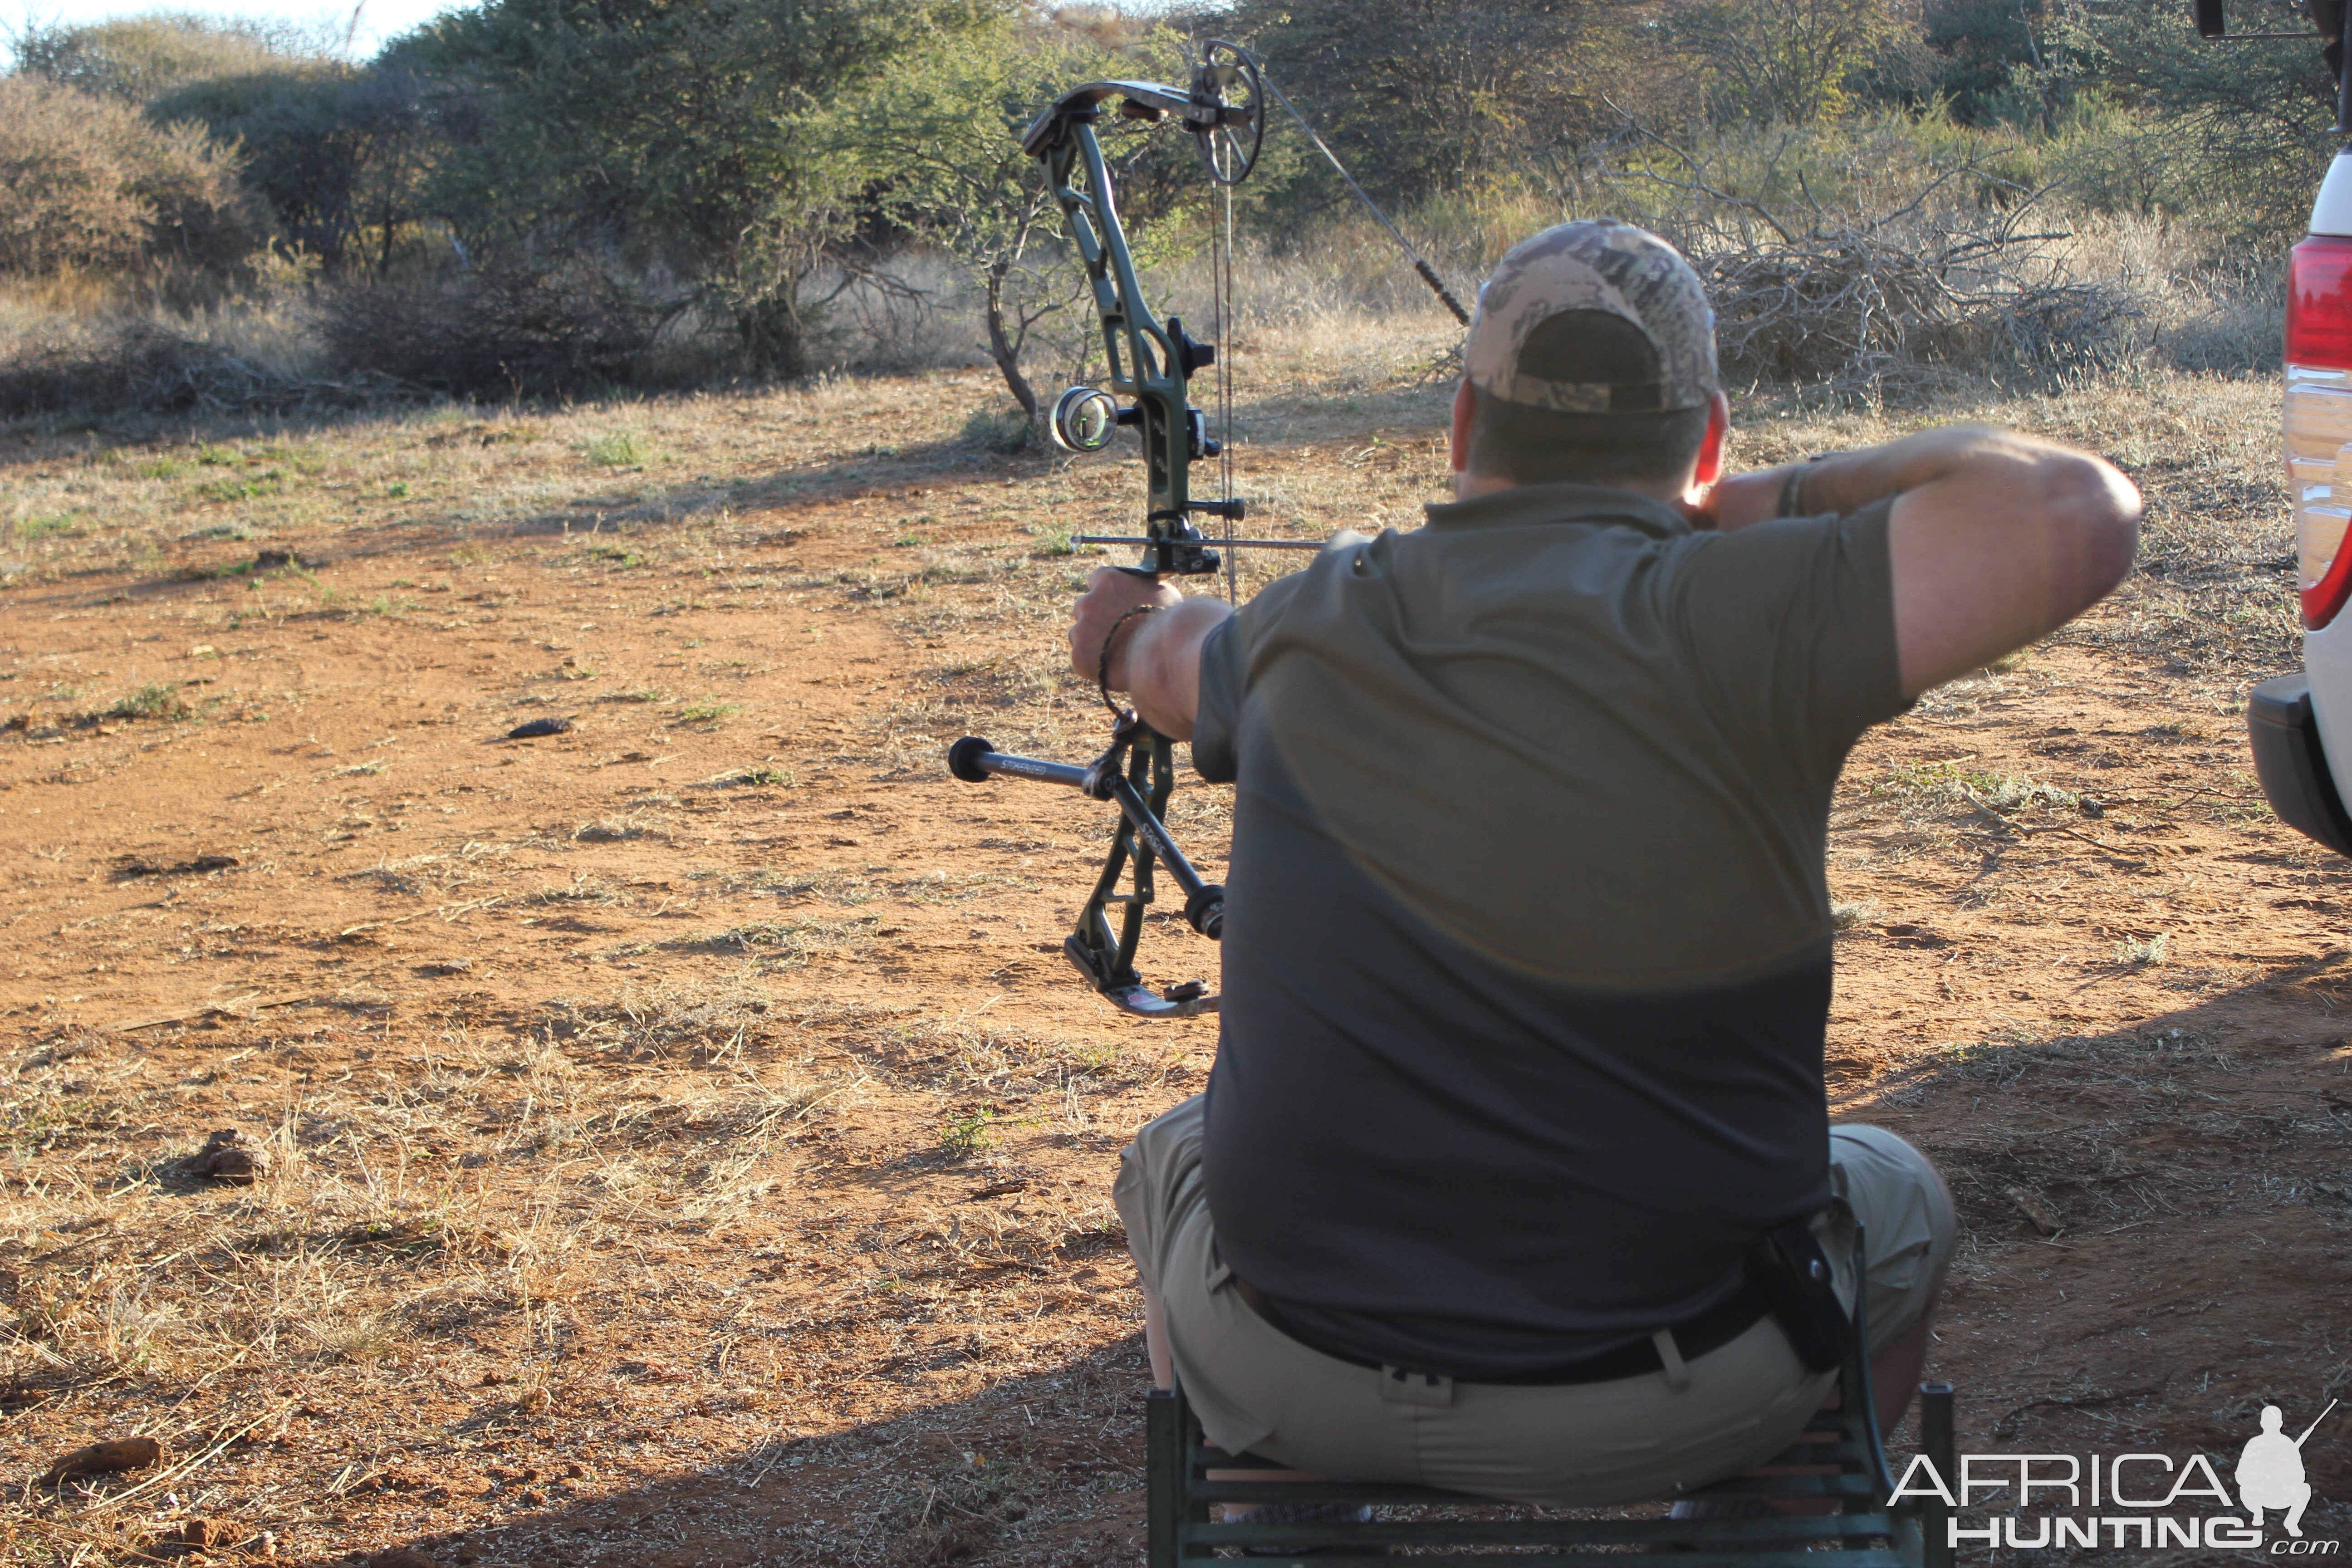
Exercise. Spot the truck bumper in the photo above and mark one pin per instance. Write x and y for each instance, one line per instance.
(2292, 764)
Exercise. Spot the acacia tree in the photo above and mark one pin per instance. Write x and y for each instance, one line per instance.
(339, 152)
(945, 130)
(1425, 97)
(687, 132)
(1793, 63)
(2242, 128)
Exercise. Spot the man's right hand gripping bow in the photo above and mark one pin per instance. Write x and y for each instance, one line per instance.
(1519, 1096)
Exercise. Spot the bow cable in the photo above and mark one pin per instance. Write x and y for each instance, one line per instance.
(1221, 285)
(1428, 273)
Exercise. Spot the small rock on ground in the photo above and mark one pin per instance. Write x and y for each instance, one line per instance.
(234, 1155)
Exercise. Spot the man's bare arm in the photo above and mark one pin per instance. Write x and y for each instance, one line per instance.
(1997, 539)
(1155, 657)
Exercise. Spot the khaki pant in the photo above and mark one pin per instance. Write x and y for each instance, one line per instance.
(1258, 1390)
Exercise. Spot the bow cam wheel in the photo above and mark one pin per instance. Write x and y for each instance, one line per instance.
(1228, 111)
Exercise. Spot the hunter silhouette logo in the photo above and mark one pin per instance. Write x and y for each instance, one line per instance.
(2270, 1472)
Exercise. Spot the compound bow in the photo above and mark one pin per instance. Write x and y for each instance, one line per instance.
(1152, 364)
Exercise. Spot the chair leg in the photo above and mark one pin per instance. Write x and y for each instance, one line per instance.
(1936, 1442)
(1855, 1394)
(1163, 1468)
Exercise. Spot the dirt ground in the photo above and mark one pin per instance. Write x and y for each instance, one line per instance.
(685, 1144)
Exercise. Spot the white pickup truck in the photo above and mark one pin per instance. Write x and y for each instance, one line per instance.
(2301, 725)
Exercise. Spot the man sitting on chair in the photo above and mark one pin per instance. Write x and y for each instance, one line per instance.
(1527, 942)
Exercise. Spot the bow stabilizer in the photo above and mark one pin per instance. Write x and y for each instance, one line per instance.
(1139, 776)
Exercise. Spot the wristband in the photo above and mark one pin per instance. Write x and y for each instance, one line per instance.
(1792, 493)
(1792, 488)
(1102, 664)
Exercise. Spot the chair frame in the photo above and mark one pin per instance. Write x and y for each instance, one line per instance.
(1840, 1458)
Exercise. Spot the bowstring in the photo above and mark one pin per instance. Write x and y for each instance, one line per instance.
(1221, 275)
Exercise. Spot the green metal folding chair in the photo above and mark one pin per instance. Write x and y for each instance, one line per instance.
(1840, 1460)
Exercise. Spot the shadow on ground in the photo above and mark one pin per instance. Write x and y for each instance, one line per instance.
(1045, 1470)
(2155, 1230)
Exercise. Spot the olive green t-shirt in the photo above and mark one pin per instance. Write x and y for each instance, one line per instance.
(1527, 944)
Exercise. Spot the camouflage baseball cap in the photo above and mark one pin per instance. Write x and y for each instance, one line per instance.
(1595, 264)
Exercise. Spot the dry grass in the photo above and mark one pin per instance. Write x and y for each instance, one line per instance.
(467, 1202)
(77, 342)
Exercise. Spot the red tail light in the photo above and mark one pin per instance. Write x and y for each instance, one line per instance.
(2319, 304)
(2318, 421)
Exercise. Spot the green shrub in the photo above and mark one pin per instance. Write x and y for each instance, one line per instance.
(157, 700)
(964, 1133)
(136, 58)
(618, 449)
(239, 486)
(87, 182)
(1005, 430)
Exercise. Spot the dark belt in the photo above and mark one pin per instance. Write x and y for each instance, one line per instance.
(1702, 1331)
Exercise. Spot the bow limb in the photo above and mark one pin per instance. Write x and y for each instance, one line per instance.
(1150, 363)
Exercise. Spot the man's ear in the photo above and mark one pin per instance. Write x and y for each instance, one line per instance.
(1465, 403)
(1711, 444)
